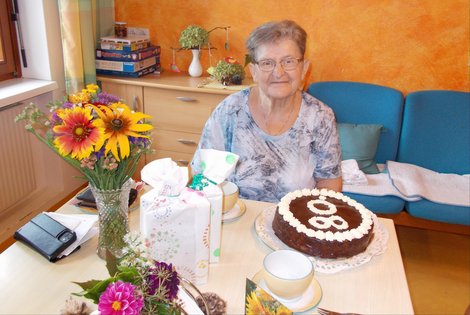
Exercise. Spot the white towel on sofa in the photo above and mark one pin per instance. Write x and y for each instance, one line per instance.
(351, 173)
(377, 185)
(415, 181)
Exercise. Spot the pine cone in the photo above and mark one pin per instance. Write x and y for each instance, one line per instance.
(215, 304)
(74, 307)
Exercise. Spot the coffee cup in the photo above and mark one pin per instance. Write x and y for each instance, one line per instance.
(230, 191)
(287, 273)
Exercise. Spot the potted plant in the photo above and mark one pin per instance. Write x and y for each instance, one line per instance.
(228, 71)
(194, 37)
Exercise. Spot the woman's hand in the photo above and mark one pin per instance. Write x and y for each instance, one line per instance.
(335, 184)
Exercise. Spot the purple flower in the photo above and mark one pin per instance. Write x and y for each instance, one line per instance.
(67, 104)
(100, 153)
(139, 142)
(120, 298)
(105, 98)
(55, 119)
(164, 280)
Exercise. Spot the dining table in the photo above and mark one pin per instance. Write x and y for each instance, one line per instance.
(30, 284)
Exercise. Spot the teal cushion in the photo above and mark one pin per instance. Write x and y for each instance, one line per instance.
(359, 142)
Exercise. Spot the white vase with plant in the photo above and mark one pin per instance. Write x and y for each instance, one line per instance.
(194, 38)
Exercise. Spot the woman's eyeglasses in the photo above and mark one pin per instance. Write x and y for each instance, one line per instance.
(287, 64)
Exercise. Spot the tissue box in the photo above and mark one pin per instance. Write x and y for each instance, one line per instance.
(176, 230)
(215, 195)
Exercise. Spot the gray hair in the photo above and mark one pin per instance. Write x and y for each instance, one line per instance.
(272, 32)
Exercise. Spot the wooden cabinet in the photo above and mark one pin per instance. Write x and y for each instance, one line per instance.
(179, 117)
(179, 110)
(130, 94)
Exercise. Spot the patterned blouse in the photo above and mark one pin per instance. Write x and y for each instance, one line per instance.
(271, 166)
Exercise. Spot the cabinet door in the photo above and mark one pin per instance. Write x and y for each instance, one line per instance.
(130, 94)
(179, 117)
(179, 110)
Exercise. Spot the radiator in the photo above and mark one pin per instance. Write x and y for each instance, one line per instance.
(17, 175)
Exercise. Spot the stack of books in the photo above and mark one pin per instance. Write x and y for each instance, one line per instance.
(131, 56)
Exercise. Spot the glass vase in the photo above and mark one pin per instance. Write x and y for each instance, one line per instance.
(113, 217)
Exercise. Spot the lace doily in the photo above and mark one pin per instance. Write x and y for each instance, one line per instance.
(377, 246)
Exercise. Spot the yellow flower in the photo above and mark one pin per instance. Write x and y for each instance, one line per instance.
(119, 123)
(282, 310)
(264, 296)
(92, 88)
(254, 305)
(80, 98)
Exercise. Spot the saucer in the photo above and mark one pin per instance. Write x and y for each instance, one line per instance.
(235, 213)
(306, 301)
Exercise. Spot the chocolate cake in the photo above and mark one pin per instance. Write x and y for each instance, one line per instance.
(323, 223)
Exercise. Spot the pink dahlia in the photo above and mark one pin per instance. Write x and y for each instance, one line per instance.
(120, 298)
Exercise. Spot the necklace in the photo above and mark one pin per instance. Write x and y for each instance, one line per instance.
(279, 130)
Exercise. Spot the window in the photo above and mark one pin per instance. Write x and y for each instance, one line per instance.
(10, 66)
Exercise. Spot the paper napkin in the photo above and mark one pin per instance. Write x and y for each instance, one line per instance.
(216, 167)
(84, 226)
(174, 220)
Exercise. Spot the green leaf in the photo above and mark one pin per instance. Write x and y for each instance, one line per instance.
(193, 37)
(111, 263)
(165, 308)
(88, 284)
(130, 275)
(93, 293)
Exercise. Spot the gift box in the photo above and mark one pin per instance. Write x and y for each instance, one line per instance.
(174, 220)
(216, 166)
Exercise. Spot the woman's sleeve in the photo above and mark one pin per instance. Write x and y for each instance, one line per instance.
(215, 134)
(328, 149)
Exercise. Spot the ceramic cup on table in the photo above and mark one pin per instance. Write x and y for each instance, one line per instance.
(287, 273)
(230, 191)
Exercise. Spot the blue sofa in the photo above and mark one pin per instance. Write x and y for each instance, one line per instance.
(362, 103)
(430, 129)
(436, 135)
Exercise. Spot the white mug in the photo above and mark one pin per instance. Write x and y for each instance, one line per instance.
(287, 273)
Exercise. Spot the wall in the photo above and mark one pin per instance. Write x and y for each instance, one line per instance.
(409, 45)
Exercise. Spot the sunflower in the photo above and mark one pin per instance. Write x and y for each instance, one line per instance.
(255, 306)
(77, 133)
(119, 124)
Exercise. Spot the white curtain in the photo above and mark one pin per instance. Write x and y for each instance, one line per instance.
(83, 22)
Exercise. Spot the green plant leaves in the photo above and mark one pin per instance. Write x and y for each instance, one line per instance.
(193, 37)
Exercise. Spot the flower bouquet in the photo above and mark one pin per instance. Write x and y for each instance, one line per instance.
(137, 285)
(102, 138)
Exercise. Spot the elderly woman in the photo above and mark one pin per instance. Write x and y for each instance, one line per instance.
(286, 139)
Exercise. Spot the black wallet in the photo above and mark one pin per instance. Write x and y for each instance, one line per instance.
(47, 236)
